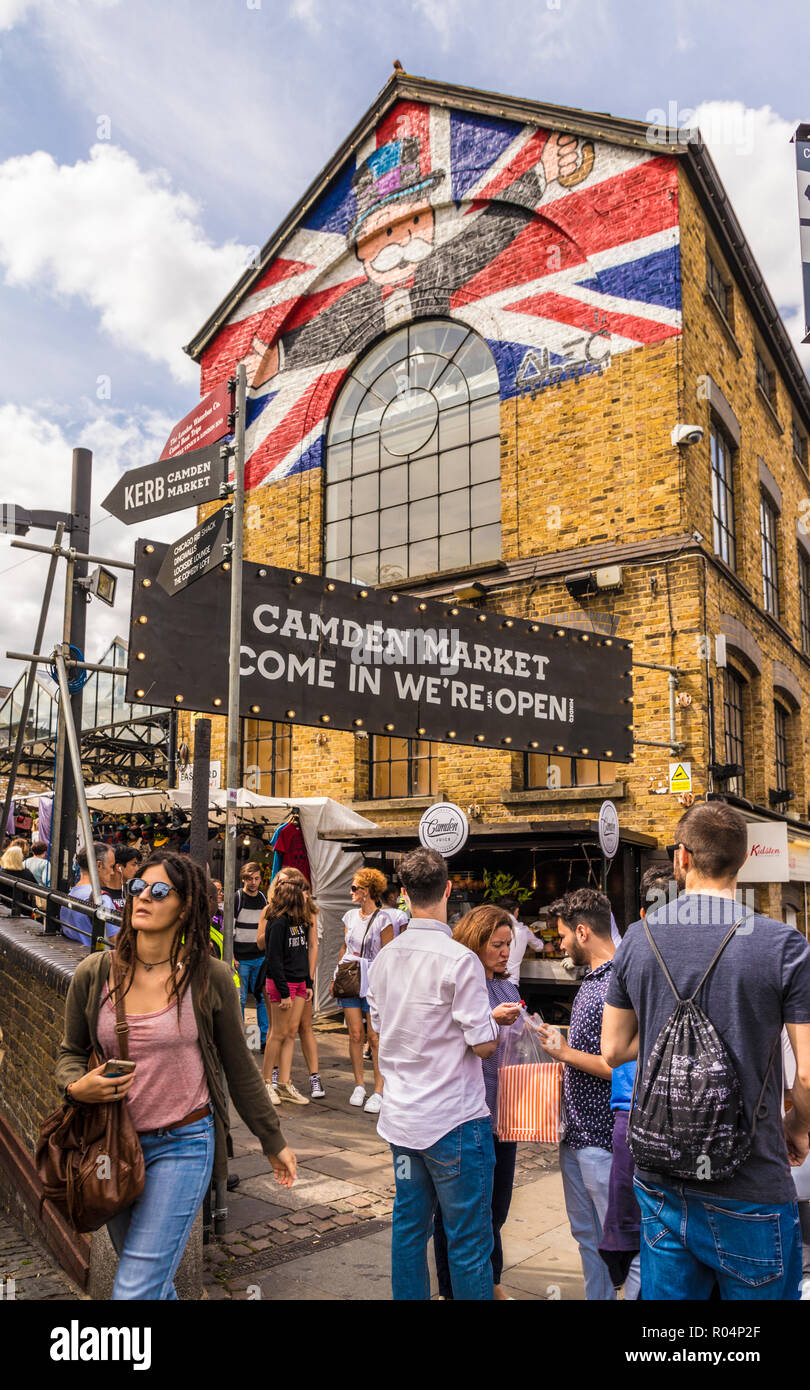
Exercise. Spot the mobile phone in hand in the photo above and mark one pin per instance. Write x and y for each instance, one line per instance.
(117, 1067)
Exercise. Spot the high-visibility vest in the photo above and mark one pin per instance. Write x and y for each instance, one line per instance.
(218, 941)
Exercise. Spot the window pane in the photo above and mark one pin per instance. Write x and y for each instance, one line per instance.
(454, 551)
(365, 454)
(421, 776)
(485, 461)
(443, 337)
(338, 501)
(393, 564)
(423, 519)
(425, 369)
(338, 569)
(485, 418)
(454, 427)
(393, 526)
(485, 503)
(454, 469)
(394, 485)
(475, 361)
(587, 770)
(342, 422)
(409, 422)
(423, 558)
(392, 350)
(451, 388)
(381, 783)
(392, 381)
(365, 568)
(369, 414)
(423, 478)
(364, 533)
(366, 493)
(485, 544)
(338, 461)
(337, 540)
(454, 511)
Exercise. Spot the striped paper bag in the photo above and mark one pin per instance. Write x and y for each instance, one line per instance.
(530, 1103)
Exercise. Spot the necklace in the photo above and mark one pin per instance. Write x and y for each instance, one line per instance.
(147, 966)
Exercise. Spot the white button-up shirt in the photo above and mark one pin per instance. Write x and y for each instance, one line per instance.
(429, 1004)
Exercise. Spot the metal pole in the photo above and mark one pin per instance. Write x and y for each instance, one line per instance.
(76, 760)
(76, 599)
(200, 792)
(31, 677)
(171, 755)
(234, 722)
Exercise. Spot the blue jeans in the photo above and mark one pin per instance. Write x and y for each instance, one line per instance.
(690, 1239)
(248, 977)
(502, 1183)
(455, 1173)
(586, 1183)
(151, 1235)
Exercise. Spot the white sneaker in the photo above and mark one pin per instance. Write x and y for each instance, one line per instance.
(285, 1090)
(357, 1096)
(373, 1105)
(272, 1093)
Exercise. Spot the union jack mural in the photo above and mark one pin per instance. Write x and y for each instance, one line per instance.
(560, 252)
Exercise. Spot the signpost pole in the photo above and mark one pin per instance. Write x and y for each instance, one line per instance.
(234, 652)
(200, 791)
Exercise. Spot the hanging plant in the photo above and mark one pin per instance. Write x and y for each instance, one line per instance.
(497, 886)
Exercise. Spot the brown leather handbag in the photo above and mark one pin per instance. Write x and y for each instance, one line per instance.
(89, 1157)
(349, 974)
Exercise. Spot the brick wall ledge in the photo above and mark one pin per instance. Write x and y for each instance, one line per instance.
(51, 959)
(541, 796)
(400, 803)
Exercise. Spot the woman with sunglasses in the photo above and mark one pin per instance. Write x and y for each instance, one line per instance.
(368, 928)
(185, 1026)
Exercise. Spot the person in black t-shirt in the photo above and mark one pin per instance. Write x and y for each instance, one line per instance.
(288, 985)
(248, 906)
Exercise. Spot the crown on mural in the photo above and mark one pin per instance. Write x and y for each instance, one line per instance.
(391, 173)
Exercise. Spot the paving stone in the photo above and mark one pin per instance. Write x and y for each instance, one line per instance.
(299, 1218)
(278, 1225)
(280, 1238)
(360, 1201)
(325, 1225)
(345, 1219)
(321, 1212)
(262, 1244)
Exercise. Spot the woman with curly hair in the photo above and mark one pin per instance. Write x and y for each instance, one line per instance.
(368, 928)
(185, 1026)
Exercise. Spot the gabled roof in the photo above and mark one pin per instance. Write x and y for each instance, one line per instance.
(595, 125)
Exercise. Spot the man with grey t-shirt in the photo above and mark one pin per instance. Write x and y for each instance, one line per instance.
(743, 1231)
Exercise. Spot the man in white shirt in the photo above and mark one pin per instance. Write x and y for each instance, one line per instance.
(429, 1004)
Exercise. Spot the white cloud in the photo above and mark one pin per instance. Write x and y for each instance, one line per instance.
(12, 11)
(752, 150)
(308, 13)
(40, 452)
(119, 239)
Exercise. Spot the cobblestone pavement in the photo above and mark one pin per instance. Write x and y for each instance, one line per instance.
(344, 1193)
(29, 1272)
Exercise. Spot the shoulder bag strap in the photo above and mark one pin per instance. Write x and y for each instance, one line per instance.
(121, 1025)
(759, 1112)
(715, 958)
(368, 929)
(660, 960)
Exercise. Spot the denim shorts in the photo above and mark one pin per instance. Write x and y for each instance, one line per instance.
(353, 1001)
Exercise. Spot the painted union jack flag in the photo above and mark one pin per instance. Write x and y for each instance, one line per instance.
(559, 251)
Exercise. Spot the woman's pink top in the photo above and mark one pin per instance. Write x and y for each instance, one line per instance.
(170, 1078)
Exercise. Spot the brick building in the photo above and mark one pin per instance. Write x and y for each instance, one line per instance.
(468, 348)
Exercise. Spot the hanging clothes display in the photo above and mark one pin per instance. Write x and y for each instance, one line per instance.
(289, 848)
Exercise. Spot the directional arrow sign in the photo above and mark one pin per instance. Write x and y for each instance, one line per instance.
(170, 485)
(205, 424)
(194, 554)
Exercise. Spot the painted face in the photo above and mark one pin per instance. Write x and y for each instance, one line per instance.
(495, 954)
(150, 915)
(390, 248)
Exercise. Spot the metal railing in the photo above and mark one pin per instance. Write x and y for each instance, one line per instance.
(16, 901)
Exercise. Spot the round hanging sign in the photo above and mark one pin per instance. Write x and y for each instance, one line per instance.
(444, 827)
(608, 829)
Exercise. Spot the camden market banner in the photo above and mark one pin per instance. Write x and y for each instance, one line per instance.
(322, 652)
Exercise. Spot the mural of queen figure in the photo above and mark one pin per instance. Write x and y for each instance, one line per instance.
(394, 239)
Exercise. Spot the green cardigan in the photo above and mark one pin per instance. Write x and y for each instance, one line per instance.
(222, 1043)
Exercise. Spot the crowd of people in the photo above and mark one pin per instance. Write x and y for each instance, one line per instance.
(685, 1077)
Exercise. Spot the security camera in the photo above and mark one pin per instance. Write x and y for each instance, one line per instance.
(686, 434)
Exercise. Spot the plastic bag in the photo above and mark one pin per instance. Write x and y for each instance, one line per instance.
(530, 1091)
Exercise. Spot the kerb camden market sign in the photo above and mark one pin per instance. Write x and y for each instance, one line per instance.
(323, 652)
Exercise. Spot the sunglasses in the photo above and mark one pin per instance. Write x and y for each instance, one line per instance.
(672, 848)
(357, 887)
(156, 891)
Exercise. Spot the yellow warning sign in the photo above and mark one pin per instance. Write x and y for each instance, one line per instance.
(680, 777)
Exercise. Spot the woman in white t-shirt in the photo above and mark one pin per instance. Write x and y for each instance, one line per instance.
(368, 928)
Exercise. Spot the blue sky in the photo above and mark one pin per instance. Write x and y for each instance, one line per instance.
(215, 115)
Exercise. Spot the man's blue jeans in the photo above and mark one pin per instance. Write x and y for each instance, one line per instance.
(455, 1173)
(586, 1184)
(248, 977)
(151, 1235)
(689, 1239)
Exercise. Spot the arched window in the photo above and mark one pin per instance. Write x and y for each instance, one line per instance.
(413, 458)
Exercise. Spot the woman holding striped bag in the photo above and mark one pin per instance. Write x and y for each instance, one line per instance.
(487, 931)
